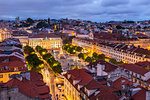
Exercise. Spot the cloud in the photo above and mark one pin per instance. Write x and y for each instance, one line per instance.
(107, 3)
(95, 10)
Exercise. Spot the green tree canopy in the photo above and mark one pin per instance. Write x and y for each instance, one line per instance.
(42, 24)
(81, 55)
(38, 48)
(29, 21)
(57, 69)
(88, 59)
(101, 56)
(28, 50)
(47, 56)
(113, 61)
(79, 49)
(119, 27)
(95, 55)
(33, 61)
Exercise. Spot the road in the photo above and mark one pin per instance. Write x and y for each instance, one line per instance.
(48, 76)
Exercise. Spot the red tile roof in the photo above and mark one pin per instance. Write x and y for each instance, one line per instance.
(105, 93)
(43, 36)
(11, 65)
(78, 74)
(89, 83)
(108, 66)
(30, 87)
(120, 82)
(143, 64)
(141, 95)
(93, 84)
(10, 58)
(135, 68)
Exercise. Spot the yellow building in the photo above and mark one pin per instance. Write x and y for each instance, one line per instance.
(4, 34)
(120, 52)
(12, 60)
(4, 77)
(48, 41)
(74, 80)
(9, 67)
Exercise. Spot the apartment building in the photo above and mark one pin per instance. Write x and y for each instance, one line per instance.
(4, 34)
(12, 60)
(137, 73)
(80, 84)
(135, 39)
(118, 51)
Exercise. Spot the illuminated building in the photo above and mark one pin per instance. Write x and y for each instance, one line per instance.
(23, 38)
(118, 51)
(48, 41)
(12, 60)
(9, 66)
(69, 32)
(138, 72)
(79, 84)
(4, 34)
(137, 40)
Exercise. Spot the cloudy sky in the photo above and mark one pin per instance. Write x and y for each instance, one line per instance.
(95, 10)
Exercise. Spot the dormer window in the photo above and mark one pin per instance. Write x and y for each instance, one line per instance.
(69, 76)
(16, 68)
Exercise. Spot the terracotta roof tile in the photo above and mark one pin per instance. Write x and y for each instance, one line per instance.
(135, 68)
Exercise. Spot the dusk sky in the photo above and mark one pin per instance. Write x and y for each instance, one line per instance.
(94, 10)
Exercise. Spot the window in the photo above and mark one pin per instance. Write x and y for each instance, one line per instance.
(5, 67)
(1, 76)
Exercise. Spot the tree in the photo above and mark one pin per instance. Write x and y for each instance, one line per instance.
(34, 62)
(119, 27)
(119, 63)
(101, 56)
(47, 56)
(71, 50)
(65, 47)
(28, 50)
(43, 52)
(79, 49)
(42, 24)
(81, 55)
(113, 61)
(88, 59)
(95, 55)
(57, 69)
(29, 21)
(38, 48)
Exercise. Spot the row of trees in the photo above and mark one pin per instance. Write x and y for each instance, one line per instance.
(33, 61)
(40, 50)
(54, 64)
(96, 57)
(72, 49)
